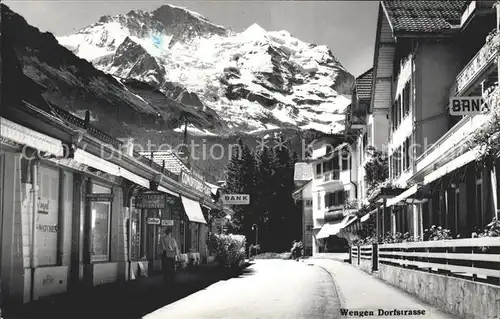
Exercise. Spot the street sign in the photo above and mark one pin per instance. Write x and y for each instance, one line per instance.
(469, 105)
(153, 221)
(150, 200)
(167, 222)
(236, 199)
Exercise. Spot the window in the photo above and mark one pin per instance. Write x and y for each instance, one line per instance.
(136, 252)
(406, 99)
(100, 214)
(309, 228)
(335, 163)
(327, 166)
(345, 161)
(318, 169)
(407, 157)
(308, 203)
(346, 196)
(319, 200)
(47, 216)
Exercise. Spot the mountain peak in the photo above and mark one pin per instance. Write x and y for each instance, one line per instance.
(255, 30)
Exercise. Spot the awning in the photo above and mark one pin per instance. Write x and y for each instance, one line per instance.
(452, 165)
(163, 189)
(404, 195)
(101, 164)
(193, 210)
(331, 228)
(133, 177)
(25, 136)
(96, 162)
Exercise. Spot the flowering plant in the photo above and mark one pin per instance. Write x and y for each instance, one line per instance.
(436, 233)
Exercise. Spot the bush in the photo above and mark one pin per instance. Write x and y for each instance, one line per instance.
(229, 249)
(492, 229)
(437, 233)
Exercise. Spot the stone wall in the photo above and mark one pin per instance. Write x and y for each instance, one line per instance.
(463, 298)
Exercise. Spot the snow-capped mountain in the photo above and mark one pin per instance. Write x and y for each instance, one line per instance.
(253, 81)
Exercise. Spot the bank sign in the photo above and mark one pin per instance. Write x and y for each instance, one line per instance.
(236, 199)
(470, 105)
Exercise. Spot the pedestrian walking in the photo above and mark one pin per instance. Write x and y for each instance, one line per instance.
(169, 252)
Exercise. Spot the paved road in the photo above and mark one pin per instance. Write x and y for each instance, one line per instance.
(270, 289)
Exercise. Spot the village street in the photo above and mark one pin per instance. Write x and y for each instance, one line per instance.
(271, 289)
(291, 289)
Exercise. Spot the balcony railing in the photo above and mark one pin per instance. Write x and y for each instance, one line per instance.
(479, 63)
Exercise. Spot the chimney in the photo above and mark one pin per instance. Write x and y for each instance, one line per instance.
(87, 119)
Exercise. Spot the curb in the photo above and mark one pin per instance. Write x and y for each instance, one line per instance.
(342, 298)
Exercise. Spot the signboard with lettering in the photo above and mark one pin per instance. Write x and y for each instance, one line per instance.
(106, 197)
(150, 200)
(236, 199)
(195, 183)
(469, 105)
(153, 221)
(167, 222)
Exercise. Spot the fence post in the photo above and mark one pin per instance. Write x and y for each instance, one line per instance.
(359, 255)
(375, 257)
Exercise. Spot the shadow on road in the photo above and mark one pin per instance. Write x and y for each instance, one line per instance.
(129, 300)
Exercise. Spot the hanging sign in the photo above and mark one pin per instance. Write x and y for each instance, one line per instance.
(236, 199)
(469, 105)
(167, 222)
(153, 221)
(150, 200)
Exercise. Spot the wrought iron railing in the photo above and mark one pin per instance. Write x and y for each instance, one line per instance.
(484, 58)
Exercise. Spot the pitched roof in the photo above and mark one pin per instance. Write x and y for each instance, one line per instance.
(364, 85)
(302, 172)
(423, 16)
(172, 162)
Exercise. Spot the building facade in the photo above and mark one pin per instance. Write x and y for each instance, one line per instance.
(79, 208)
(419, 67)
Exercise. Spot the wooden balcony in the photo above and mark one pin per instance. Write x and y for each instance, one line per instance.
(481, 65)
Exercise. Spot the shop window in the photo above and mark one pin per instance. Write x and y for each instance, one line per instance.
(100, 225)
(47, 216)
(136, 248)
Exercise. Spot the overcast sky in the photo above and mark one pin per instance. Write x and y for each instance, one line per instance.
(346, 27)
